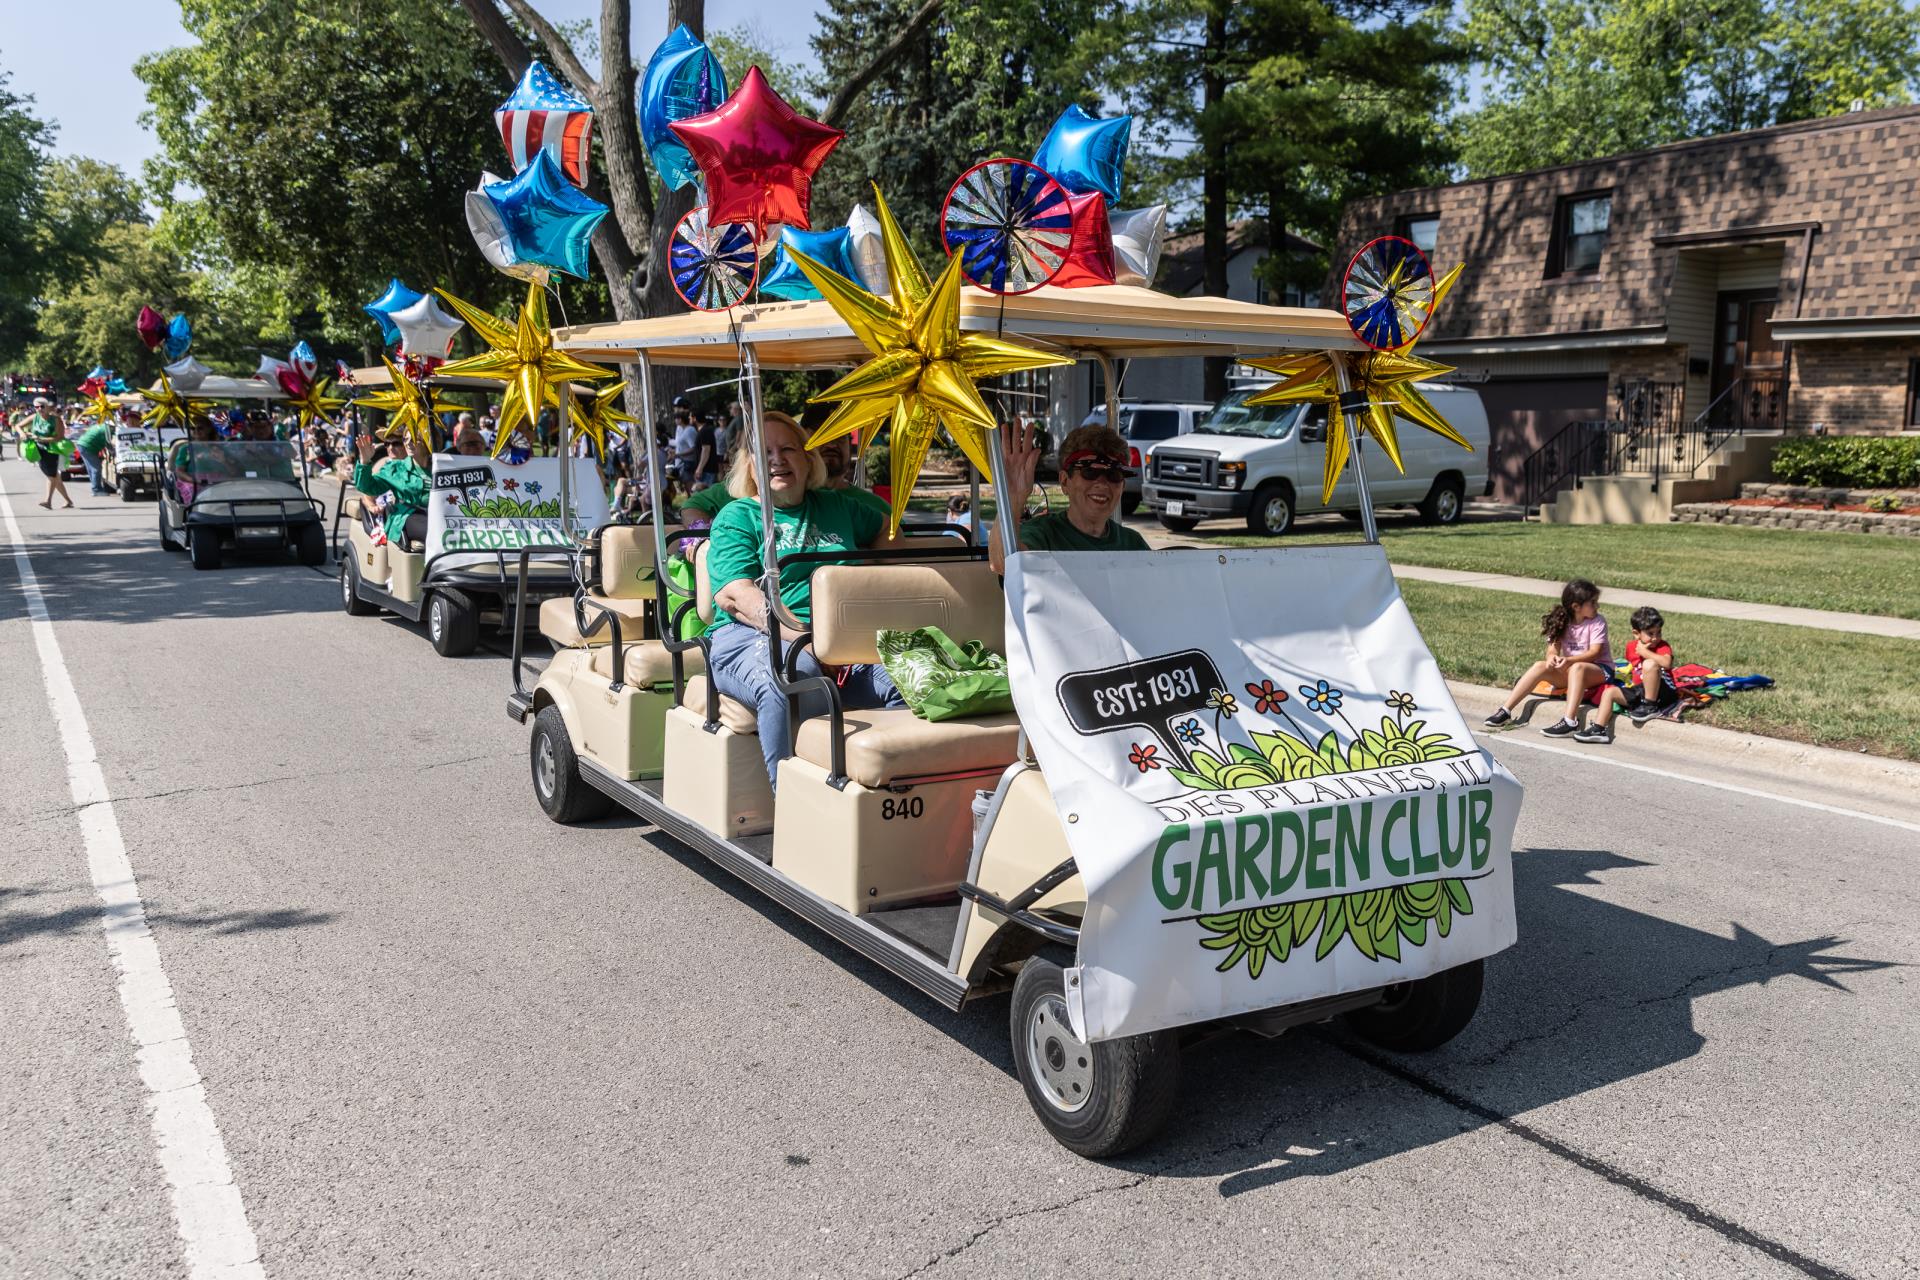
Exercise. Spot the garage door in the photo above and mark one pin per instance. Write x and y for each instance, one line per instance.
(1524, 413)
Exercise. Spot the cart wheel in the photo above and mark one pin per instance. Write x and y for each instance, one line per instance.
(563, 794)
(126, 489)
(1096, 1100)
(204, 543)
(1422, 1015)
(166, 533)
(350, 591)
(453, 624)
(311, 545)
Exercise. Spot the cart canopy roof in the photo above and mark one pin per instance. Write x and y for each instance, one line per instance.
(375, 377)
(1121, 321)
(218, 386)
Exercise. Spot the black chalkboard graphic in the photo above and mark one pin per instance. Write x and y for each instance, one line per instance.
(1148, 695)
(464, 478)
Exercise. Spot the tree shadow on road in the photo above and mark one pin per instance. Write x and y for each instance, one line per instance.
(95, 575)
(19, 924)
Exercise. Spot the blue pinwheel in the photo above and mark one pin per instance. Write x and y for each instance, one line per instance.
(1010, 223)
(1388, 293)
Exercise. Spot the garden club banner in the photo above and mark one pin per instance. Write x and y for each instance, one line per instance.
(488, 504)
(1266, 786)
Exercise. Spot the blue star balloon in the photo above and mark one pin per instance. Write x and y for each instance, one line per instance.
(1086, 153)
(397, 298)
(549, 220)
(179, 337)
(829, 248)
(683, 79)
(99, 371)
(116, 386)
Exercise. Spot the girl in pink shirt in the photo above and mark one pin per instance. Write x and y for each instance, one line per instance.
(1577, 653)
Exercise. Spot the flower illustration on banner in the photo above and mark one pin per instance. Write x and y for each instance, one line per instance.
(511, 485)
(1221, 701)
(1144, 758)
(1397, 744)
(533, 488)
(1321, 698)
(1401, 703)
(1189, 732)
(1266, 696)
(453, 499)
(1375, 920)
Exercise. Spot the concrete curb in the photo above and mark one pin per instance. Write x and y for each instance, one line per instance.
(1772, 766)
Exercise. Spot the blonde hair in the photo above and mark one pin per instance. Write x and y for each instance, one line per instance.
(743, 479)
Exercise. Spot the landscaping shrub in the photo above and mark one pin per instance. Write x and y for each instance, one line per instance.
(1853, 462)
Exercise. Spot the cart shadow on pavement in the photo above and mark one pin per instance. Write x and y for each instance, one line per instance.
(1593, 994)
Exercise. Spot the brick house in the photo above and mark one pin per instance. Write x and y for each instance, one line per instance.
(1770, 277)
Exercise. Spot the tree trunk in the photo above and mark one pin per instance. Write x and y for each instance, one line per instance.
(1213, 183)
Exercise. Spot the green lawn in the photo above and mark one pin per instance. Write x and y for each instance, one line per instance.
(1831, 688)
(1056, 501)
(1849, 572)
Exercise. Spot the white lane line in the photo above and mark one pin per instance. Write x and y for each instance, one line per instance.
(207, 1209)
(1507, 740)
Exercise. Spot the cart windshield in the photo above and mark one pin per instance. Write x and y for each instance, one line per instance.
(211, 461)
(1233, 416)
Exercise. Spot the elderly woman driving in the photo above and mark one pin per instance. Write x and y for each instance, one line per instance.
(806, 517)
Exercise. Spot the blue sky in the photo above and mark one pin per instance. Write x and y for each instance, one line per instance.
(75, 57)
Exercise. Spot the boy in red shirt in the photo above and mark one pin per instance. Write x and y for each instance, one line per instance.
(1650, 689)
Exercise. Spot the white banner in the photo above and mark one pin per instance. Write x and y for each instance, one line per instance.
(485, 505)
(138, 448)
(1267, 788)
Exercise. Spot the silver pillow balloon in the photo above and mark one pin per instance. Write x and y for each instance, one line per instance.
(1139, 236)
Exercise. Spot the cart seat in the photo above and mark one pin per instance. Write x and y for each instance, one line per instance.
(353, 505)
(853, 602)
(734, 714)
(557, 623)
(893, 745)
(627, 561)
(647, 662)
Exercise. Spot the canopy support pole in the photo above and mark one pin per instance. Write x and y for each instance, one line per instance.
(644, 448)
(1002, 488)
(1351, 404)
(757, 438)
(566, 462)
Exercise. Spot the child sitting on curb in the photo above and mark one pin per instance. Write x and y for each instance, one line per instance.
(1650, 690)
(1577, 653)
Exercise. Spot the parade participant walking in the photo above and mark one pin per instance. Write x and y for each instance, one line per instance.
(92, 444)
(47, 431)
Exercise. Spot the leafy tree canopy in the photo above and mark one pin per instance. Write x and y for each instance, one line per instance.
(24, 139)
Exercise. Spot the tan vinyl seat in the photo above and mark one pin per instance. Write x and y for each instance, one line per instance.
(647, 662)
(626, 588)
(853, 602)
(734, 714)
(557, 623)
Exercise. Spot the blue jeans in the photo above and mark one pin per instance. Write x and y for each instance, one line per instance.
(739, 668)
(91, 461)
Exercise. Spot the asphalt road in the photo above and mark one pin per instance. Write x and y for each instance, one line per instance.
(442, 1036)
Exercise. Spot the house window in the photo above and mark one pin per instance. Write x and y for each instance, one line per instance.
(1421, 228)
(1580, 232)
(1912, 420)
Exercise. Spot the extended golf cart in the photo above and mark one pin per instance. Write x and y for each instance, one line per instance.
(132, 466)
(1126, 854)
(222, 496)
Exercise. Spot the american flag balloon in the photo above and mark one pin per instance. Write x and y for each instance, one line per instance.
(543, 115)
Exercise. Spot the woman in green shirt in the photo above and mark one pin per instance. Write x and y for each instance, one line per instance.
(1093, 475)
(408, 479)
(48, 433)
(807, 517)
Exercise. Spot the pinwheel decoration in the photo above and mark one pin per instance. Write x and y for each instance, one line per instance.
(1009, 224)
(1385, 377)
(522, 356)
(600, 415)
(166, 407)
(714, 265)
(1389, 293)
(411, 407)
(924, 370)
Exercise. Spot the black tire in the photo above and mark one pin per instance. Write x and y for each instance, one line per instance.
(350, 591)
(1129, 503)
(311, 545)
(204, 543)
(1446, 502)
(127, 491)
(166, 533)
(1352, 516)
(1417, 1016)
(1179, 524)
(1271, 514)
(563, 794)
(1130, 1086)
(453, 623)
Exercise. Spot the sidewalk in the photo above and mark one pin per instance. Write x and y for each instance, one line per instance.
(1620, 598)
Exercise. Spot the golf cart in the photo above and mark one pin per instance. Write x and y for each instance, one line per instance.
(132, 465)
(1136, 878)
(220, 496)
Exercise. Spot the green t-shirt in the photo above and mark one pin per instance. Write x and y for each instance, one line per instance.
(43, 428)
(869, 497)
(1054, 532)
(94, 438)
(826, 520)
(707, 502)
(410, 486)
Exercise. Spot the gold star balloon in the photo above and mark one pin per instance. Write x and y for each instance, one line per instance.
(314, 403)
(168, 408)
(924, 372)
(1386, 378)
(99, 405)
(522, 356)
(600, 415)
(411, 407)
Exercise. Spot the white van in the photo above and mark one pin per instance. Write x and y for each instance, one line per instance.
(1262, 463)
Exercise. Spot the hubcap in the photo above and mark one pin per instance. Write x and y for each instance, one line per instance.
(1449, 505)
(545, 771)
(436, 621)
(1276, 514)
(1062, 1063)
(346, 587)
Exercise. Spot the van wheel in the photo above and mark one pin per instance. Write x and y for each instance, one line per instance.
(350, 591)
(1422, 1015)
(1272, 511)
(563, 794)
(311, 545)
(1179, 524)
(204, 543)
(1446, 502)
(453, 623)
(1096, 1100)
(1129, 504)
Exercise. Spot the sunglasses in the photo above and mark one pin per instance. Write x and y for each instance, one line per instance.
(1112, 472)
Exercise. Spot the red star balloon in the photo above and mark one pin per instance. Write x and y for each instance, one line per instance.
(1090, 259)
(758, 156)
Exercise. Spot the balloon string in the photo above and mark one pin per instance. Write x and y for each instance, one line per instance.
(554, 289)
